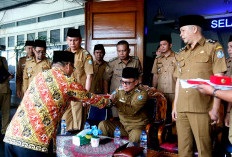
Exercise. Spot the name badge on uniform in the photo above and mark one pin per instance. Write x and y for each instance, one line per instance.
(122, 100)
(179, 67)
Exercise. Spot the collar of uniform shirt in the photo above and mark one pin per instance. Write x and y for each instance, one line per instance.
(120, 61)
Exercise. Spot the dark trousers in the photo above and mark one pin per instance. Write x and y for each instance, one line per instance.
(15, 151)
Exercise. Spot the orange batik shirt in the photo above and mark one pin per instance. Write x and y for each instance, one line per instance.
(37, 118)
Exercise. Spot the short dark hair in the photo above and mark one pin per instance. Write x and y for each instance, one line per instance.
(123, 42)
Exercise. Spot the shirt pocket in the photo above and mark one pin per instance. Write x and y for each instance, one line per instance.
(78, 66)
(29, 72)
(159, 67)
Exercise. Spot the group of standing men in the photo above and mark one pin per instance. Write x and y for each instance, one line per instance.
(193, 111)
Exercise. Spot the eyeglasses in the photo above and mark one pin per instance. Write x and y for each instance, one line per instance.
(125, 82)
(40, 52)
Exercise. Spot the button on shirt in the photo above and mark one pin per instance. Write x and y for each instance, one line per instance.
(205, 59)
(114, 70)
(164, 67)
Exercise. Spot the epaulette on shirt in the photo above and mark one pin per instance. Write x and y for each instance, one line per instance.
(85, 52)
(28, 59)
(135, 57)
(211, 41)
(182, 48)
(113, 59)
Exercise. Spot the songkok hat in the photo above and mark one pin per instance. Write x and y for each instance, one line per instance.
(130, 72)
(230, 39)
(168, 38)
(40, 43)
(29, 43)
(63, 56)
(191, 20)
(74, 32)
(99, 47)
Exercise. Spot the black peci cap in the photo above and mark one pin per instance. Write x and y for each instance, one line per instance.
(74, 32)
(40, 43)
(63, 56)
(29, 43)
(191, 20)
(130, 72)
(99, 47)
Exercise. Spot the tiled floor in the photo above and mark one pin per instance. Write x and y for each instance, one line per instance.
(12, 112)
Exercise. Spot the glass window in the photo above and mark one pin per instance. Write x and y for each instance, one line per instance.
(50, 17)
(42, 35)
(65, 32)
(74, 12)
(8, 25)
(3, 41)
(31, 36)
(11, 41)
(26, 22)
(20, 40)
(82, 30)
(55, 35)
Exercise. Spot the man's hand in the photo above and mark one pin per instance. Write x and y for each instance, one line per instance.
(174, 114)
(19, 94)
(214, 116)
(227, 120)
(206, 89)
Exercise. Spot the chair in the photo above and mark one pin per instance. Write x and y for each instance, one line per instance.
(156, 108)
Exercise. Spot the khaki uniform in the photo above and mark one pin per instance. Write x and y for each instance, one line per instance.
(5, 98)
(113, 71)
(19, 72)
(32, 69)
(229, 67)
(164, 67)
(132, 114)
(205, 59)
(76, 115)
(97, 82)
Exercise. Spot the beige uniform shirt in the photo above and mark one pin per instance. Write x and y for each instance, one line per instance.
(229, 67)
(132, 107)
(83, 62)
(32, 69)
(19, 72)
(114, 70)
(205, 59)
(5, 87)
(164, 67)
(97, 82)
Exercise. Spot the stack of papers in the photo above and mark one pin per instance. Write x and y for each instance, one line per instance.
(192, 83)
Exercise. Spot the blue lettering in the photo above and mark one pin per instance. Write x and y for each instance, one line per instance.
(214, 24)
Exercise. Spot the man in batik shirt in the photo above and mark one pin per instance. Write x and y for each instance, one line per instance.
(34, 125)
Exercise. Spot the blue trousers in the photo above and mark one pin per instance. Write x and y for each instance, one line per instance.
(15, 151)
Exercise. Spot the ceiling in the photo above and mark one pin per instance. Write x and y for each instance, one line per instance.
(10, 4)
